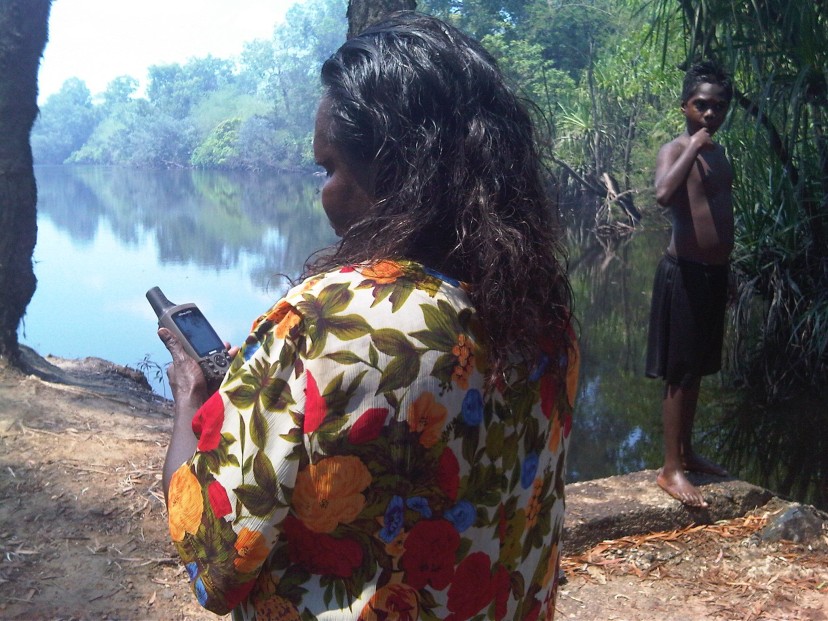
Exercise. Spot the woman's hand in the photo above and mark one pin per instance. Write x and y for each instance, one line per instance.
(187, 381)
(189, 391)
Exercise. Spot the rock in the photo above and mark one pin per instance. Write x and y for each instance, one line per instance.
(633, 504)
(799, 524)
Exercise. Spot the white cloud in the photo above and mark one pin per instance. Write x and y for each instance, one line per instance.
(99, 40)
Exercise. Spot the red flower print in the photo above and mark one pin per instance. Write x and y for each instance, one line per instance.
(430, 550)
(548, 394)
(319, 553)
(501, 588)
(448, 474)
(207, 423)
(368, 426)
(238, 594)
(219, 501)
(315, 406)
(471, 588)
(534, 612)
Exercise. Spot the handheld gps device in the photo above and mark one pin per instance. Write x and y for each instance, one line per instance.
(195, 333)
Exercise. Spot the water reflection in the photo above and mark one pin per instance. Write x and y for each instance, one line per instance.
(208, 218)
(618, 408)
(106, 235)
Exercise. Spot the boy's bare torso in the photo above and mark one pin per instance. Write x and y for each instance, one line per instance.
(702, 210)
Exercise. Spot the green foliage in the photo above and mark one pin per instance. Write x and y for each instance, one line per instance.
(175, 89)
(253, 112)
(66, 121)
(220, 149)
(777, 52)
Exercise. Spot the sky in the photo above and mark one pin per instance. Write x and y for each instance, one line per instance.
(99, 40)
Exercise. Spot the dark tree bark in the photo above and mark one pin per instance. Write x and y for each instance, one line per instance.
(363, 13)
(23, 33)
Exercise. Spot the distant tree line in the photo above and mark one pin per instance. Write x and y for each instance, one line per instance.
(252, 112)
(599, 93)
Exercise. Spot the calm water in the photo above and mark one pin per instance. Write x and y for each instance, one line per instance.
(107, 235)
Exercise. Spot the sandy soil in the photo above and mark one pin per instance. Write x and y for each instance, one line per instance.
(83, 530)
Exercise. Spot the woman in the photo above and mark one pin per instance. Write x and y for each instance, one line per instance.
(390, 440)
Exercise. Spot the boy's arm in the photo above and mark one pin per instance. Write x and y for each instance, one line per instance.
(674, 162)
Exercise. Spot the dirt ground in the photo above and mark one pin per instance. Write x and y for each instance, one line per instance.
(83, 530)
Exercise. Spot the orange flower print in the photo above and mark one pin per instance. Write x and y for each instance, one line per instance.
(285, 317)
(534, 506)
(252, 550)
(276, 608)
(572, 375)
(309, 283)
(291, 319)
(427, 417)
(393, 602)
(552, 567)
(555, 435)
(464, 353)
(330, 493)
(185, 504)
(382, 272)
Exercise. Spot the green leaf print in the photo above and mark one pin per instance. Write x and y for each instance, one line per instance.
(344, 357)
(276, 395)
(348, 327)
(399, 296)
(335, 298)
(264, 473)
(392, 342)
(399, 373)
(258, 427)
(442, 320)
(255, 499)
(245, 395)
(494, 440)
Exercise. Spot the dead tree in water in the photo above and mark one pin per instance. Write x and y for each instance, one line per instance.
(606, 188)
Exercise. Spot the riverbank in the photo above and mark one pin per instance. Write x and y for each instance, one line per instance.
(83, 531)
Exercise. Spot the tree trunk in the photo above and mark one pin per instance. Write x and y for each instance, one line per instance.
(363, 13)
(23, 33)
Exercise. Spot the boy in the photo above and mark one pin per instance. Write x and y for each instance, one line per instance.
(693, 178)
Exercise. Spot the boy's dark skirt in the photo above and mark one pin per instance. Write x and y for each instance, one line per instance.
(686, 320)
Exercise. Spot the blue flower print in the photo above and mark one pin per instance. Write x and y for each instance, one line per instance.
(251, 349)
(529, 469)
(442, 277)
(540, 369)
(462, 515)
(200, 591)
(394, 514)
(420, 505)
(192, 570)
(473, 408)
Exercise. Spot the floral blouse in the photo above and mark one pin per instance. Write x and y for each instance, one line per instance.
(353, 464)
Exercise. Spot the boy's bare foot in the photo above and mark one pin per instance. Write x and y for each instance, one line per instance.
(697, 463)
(677, 485)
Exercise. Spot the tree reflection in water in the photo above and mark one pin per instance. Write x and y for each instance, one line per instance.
(252, 227)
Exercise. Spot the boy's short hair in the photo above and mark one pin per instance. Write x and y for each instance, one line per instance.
(705, 72)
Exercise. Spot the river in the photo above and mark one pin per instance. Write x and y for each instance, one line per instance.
(107, 235)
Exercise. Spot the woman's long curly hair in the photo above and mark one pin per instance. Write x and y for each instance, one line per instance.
(458, 182)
